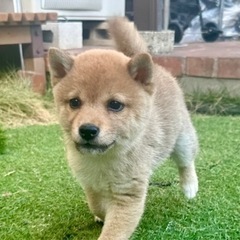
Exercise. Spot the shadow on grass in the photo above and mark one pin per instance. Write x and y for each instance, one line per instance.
(77, 226)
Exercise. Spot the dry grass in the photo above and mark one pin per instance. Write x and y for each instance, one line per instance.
(19, 105)
(214, 103)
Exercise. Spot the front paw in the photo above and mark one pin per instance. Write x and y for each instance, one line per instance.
(97, 219)
(190, 188)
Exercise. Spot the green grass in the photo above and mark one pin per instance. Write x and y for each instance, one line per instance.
(2, 140)
(39, 199)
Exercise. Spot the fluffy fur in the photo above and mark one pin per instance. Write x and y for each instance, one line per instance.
(138, 118)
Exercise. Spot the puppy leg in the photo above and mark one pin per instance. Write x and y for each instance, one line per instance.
(96, 204)
(184, 155)
(123, 216)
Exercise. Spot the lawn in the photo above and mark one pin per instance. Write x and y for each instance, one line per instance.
(39, 199)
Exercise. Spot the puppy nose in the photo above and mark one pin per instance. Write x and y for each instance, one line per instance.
(88, 131)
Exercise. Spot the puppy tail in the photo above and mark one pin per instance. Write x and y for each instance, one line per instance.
(126, 37)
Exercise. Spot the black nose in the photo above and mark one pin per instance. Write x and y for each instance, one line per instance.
(88, 131)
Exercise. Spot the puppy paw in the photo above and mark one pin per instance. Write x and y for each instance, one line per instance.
(97, 219)
(190, 189)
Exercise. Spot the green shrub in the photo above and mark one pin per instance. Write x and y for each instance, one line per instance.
(213, 103)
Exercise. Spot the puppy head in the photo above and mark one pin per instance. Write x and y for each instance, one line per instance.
(103, 97)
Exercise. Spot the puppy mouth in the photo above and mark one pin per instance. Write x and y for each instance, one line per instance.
(93, 148)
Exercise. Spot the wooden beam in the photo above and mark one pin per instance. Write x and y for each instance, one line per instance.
(52, 16)
(15, 35)
(3, 17)
(28, 17)
(15, 17)
(36, 65)
(41, 17)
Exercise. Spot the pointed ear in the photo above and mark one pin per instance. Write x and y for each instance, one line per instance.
(60, 63)
(140, 68)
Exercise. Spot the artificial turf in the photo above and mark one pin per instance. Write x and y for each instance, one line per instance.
(39, 199)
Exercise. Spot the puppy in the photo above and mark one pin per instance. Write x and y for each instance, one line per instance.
(121, 115)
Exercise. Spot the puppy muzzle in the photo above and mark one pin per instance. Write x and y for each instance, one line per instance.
(88, 140)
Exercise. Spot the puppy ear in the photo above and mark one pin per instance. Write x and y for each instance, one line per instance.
(60, 63)
(140, 68)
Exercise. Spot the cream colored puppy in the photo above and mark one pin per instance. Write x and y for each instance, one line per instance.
(121, 115)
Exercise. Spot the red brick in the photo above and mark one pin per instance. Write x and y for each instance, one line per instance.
(228, 68)
(38, 81)
(173, 64)
(200, 66)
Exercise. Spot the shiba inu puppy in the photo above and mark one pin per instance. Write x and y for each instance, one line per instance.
(121, 115)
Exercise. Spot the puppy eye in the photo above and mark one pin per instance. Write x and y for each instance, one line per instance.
(75, 103)
(115, 106)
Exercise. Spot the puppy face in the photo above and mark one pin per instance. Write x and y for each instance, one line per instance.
(103, 97)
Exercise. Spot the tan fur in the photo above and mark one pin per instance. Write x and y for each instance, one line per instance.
(126, 37)
(153, 124)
